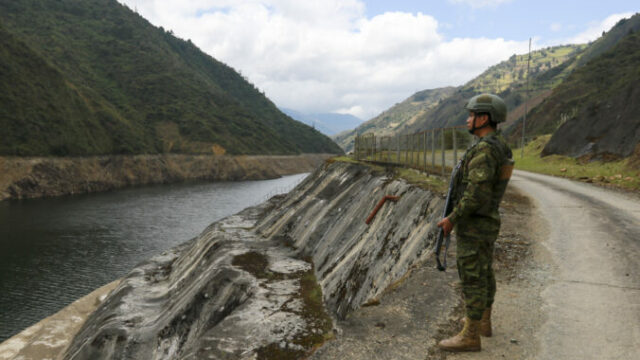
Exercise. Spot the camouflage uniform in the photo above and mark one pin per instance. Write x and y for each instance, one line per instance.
(486, 169)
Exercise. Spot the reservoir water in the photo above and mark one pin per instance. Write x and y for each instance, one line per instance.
(54, 251)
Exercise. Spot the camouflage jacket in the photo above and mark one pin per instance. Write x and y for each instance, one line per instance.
(486, 169)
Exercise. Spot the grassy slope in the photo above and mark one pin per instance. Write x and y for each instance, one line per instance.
(33, 93)
(426, 181)
(507, 79)
(150, 91)
(445, 107)
(397, 117)
(599, 101)
(621, 174)
(545, 124)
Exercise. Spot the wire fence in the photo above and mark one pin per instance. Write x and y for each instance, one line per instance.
(429, 150)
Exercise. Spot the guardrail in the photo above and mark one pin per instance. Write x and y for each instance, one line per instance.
(415, 150)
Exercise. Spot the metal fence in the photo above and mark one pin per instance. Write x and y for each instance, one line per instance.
(429, 150)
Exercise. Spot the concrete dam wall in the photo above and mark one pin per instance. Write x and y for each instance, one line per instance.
(267, 282)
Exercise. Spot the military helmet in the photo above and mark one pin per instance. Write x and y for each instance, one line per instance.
(489, 103)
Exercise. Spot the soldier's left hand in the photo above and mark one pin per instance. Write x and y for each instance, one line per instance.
(446, 226)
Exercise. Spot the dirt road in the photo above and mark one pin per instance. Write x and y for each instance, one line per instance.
(579, 296)
(593, 300)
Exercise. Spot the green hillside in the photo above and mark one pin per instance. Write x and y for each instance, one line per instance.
(445, 107)
(397, 117)
(547, 125)
(110, 82)
(549, 68)
(595, 112)
(42, 113)
(507, 79)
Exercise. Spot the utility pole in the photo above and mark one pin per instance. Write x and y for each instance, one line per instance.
(526, 102)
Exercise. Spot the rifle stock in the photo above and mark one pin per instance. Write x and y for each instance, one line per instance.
(448, 207)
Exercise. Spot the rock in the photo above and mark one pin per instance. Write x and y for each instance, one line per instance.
(247, 284)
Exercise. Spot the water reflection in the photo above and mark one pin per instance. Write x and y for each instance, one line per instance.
(53, 251)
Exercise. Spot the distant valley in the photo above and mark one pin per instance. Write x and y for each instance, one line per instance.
(327, 123)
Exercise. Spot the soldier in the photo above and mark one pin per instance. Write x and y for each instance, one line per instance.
(486, 169)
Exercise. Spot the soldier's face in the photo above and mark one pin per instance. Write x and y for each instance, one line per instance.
(480, 120)
(470, 120)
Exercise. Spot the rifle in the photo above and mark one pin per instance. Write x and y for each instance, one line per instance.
(448, 207)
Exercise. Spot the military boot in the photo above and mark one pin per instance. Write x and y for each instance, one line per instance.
(485, 323)
(467, 340)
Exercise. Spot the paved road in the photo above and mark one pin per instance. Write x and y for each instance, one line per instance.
(592, 303)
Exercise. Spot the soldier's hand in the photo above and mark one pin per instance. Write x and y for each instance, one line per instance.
(446, 226)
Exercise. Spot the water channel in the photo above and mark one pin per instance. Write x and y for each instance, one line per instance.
(53, 251)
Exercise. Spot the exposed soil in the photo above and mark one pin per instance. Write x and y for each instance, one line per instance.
(425, 306)
(22, 177)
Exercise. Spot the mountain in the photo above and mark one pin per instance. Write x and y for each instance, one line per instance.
(42, 113)
(595, 110)
(549, 69)
(445, 106)
(545, 125)
(507, 79)
(327, 123)
(93, 77)
(398, 117)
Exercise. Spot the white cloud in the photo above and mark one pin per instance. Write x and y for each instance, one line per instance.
(555, 27)
(595, 29)
(480, 3)
(327, 56)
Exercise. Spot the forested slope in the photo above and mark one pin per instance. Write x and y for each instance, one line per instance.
(123, 86)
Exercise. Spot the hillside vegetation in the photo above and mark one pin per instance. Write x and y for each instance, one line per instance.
(623, 173)
(507, 79)
(396, 118)
(551, 121)
(549, 68)
(596, 110)
(444, 107)
(93, 77)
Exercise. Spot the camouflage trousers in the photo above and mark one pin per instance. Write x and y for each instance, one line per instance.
(475, 244)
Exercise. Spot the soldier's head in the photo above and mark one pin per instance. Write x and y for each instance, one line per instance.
(486, 111)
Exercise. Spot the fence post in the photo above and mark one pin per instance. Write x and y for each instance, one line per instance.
(413, 148)
(417, 147)
(424, 149)
(355, 147)
(376, 151)
(398, 147)
(411, 138)
(433, 149)
(443, 150)
(455, 148)
(406, 152)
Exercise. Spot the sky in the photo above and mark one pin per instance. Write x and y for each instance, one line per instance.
(360, 57)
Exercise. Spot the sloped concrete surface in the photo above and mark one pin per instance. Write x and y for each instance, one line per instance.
(241, 289)
(324, 218)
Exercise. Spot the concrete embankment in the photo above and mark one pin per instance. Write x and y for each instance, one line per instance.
(273, 281)
(48, 176)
